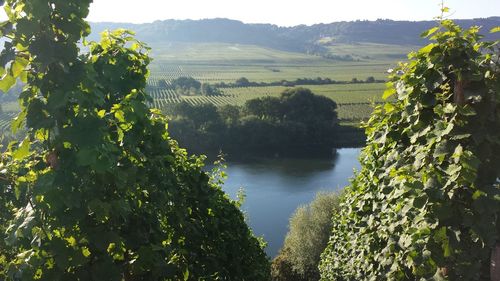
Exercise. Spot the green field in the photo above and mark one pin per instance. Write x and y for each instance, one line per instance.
(227, 62)
(354, 101)
(217, 62)
(5, 119)
(372, 51)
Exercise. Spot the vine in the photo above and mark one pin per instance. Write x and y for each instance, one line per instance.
(426, 203)
(97, 190)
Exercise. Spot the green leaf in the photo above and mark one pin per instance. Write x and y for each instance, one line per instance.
(17, 122)
(495, 29)
(7, 82)
(23, 150)
(86, 252)
(120, 116)
(18, 66)
(389, 108)
(86, 156)
(390, 91)
(24, 77)
(427, 49)
(429, 32)
(101, 113)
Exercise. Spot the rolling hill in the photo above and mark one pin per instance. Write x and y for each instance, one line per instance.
(301, 38)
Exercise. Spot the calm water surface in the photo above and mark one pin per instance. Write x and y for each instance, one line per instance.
(274, 188)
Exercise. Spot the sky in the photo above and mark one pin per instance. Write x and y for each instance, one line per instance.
(287, 12)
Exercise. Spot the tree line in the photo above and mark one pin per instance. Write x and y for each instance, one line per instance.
(244, 82)
(297, 122)
(188, 86)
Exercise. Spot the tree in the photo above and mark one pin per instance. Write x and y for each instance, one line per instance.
(187, 86)
(308, 234)
(296, 105)
(230, 114)
(242, 82)
(300, 104)
(97, 190)
(426, 203)
(265, 107)
(203, 116)
(209, 90)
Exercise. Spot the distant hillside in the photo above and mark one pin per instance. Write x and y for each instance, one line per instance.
(381, 31)
(213, 30)
(300, 38)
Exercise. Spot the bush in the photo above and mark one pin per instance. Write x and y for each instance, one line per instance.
(308, 235)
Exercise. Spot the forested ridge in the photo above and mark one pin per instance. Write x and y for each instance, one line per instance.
(301, 38)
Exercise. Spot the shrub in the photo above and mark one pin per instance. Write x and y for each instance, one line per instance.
(308, 235)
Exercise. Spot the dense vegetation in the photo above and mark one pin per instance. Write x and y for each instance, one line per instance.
(296, 123)
(426, 203)
(97, 190)
(308, 234)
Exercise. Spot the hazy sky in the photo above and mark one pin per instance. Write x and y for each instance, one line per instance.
(286, 12)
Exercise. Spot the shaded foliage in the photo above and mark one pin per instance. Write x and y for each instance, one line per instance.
(296, 123)
(426, 203)
(98, 190)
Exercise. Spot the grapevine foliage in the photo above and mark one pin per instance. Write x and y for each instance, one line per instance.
(97, 190)
(426, 203)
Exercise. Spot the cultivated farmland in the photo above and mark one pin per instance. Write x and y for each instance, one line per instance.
(217, 62)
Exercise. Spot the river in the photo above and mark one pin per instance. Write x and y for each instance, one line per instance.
(274, 188)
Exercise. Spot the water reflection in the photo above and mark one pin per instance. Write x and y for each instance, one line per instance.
(274, 188)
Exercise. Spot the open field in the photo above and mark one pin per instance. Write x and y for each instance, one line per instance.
(215, 62)
(342, 94)
(5, 119)
(372, 51)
